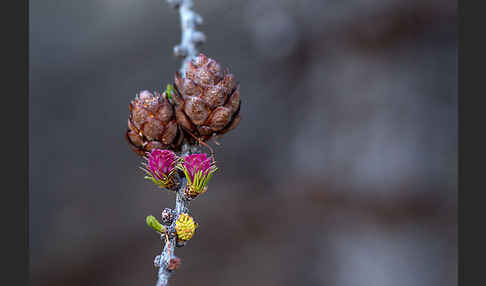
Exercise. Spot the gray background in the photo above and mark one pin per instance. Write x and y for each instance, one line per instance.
(343, 170)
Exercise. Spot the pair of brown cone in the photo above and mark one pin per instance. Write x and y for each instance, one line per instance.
(206, 102)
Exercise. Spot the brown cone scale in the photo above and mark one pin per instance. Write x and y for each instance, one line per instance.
(207, 100)
(152, 124)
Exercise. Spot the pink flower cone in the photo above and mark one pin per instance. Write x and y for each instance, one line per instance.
(199, 169)
(160, 167)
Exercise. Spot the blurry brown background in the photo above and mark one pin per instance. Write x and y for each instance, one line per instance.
(342, 172)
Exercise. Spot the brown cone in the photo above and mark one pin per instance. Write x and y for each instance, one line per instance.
(152, 124)
(207, 100)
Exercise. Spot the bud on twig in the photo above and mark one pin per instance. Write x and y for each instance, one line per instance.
(170, 91)
(155, 224)
(198, 37)
(180, 51)
(167, 216)
(174, 263)
(174, 3)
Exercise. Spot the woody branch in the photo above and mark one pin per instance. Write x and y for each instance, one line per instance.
(187, 49)
(191, 37)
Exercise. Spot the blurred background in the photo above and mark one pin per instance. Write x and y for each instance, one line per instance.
(342, 172)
